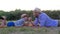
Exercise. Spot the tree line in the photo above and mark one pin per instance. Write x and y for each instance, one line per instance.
(16, 14)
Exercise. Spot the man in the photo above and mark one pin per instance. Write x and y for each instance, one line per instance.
(20, 22)
(43, 19)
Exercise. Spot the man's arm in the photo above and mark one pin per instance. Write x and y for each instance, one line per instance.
(42, 20)
(35, 22)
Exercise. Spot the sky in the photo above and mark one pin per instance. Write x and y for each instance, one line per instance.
(8, 5)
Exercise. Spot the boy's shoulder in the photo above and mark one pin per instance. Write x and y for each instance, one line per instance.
(20, 20)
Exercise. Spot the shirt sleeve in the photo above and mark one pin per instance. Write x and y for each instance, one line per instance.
(19, 23)
(42, 20)
(35, 22)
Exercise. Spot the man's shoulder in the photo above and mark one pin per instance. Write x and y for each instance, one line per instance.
(43, 14)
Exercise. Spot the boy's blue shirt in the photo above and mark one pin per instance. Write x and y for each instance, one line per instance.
(20, 22)
(44, 20)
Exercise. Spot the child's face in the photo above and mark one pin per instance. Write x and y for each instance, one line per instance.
(26, 18)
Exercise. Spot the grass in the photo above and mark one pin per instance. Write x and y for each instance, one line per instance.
(7, 30)
(28, 30)
(24, 30)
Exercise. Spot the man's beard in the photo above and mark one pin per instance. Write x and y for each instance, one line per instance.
(36, 16)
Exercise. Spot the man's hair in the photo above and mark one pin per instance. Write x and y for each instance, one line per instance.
(1, 18)
(37, 10)
(24, 15)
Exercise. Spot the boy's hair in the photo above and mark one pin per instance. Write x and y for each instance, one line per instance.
(1, 18)
(24, 15)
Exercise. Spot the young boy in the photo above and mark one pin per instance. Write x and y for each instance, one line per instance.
(20, 22)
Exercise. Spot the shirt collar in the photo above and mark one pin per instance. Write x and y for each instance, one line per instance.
(39, 15)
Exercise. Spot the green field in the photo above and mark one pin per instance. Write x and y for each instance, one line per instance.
(29, 30)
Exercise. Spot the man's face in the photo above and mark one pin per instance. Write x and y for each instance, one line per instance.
(35, 13)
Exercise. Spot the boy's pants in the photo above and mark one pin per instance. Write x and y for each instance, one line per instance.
(11, 23)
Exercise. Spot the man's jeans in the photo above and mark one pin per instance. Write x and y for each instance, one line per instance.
(58, 23)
